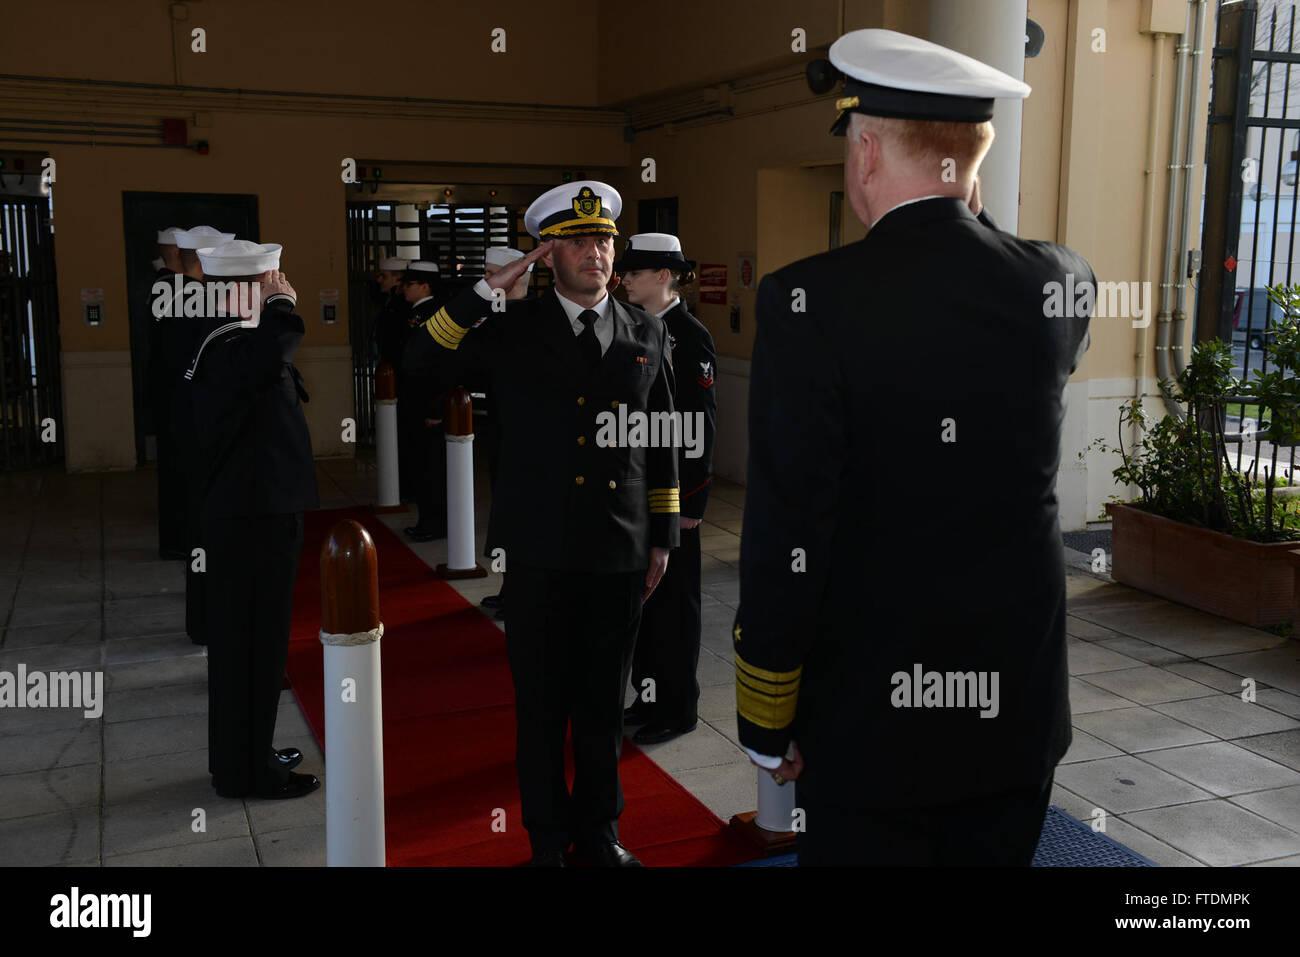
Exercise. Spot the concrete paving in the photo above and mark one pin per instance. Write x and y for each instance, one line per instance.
(1184, 770)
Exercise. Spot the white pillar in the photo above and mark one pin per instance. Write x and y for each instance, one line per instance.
(775, 803)
(386, 452)
(460, 503)
(992, 31)
(354, 751)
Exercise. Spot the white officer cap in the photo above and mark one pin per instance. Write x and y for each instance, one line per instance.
(503, 255)
(167, 237)
(201, 237)
(574, 209)
(394, 263)
(895, 74)
(239, 258)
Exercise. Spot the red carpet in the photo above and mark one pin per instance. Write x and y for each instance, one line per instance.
(449, 734)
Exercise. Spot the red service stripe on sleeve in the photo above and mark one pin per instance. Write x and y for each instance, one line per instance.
(704, 383)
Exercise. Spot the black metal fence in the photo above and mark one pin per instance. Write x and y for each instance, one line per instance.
(31, 399)
(456, 237)
(1251, 201)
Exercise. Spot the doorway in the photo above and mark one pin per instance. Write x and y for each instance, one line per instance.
(143, 214)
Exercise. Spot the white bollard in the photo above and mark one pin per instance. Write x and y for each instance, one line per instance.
(460, 502)
(354, 755)
(354, 737)
(386, 452)
(458, 427)
(775, 803)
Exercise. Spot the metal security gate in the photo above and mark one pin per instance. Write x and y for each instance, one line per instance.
(31, 404)
(1251, 199)
(455, 236)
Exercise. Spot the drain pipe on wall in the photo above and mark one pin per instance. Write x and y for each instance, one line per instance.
(1178, 332)
(1164, 319)
(1149, 209)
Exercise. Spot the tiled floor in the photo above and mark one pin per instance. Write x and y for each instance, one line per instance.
(1185, 771)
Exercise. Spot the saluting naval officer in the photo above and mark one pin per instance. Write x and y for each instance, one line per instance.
(494, 259)
(920, 692)
(419, 413)
(653, 271)
(258, 477)
(587, 526)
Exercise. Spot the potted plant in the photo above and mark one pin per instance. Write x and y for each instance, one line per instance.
(1202, 532)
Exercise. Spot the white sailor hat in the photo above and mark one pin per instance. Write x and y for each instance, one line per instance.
(394, 263)
(895, 74)
(574, 209)
(239, 257)
(167, 237)
(654, 251)
(420, 271)
(503, 255)
(202, 237)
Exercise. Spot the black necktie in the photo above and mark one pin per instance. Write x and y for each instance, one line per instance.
(588, 344)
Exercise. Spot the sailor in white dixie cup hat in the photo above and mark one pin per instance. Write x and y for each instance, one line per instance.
(820, 648)
(586, 528)
(256, 477)
(168, 352)
(190, 240)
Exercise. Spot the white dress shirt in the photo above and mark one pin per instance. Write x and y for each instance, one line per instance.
(416, 304)
(604, 324)
(909, 202)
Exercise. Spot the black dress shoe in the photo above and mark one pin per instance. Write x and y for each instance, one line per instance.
(657, 733)
(417, 534)
(548, 859)
(501, 614)
(297, 785)
(609, 854)
(492, 601)
(288, 758)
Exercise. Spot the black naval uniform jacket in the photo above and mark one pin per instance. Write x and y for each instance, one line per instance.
(906, 405)
(694, 366)
(561, 501)
(253, 448)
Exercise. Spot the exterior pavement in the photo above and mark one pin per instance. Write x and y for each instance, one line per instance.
(1185, 771)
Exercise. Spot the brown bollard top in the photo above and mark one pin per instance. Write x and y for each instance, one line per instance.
(385, 381)
(460, 413)
(349, 580)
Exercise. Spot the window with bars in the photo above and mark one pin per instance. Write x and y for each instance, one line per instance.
(455, 236)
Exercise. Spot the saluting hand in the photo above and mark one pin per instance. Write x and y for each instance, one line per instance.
(509, 274)
(273, 281)
(658, 565)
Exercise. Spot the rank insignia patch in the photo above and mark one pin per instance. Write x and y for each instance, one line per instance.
(586, 203)
(705, 378)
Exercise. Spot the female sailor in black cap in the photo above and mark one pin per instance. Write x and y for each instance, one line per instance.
(653, 270)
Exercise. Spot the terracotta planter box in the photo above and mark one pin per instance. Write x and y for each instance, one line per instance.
(1248, 582)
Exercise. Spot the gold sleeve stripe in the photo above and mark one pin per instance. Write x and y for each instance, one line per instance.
(665, 501)
(445, 332)
(762, 674)
(763, 710)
